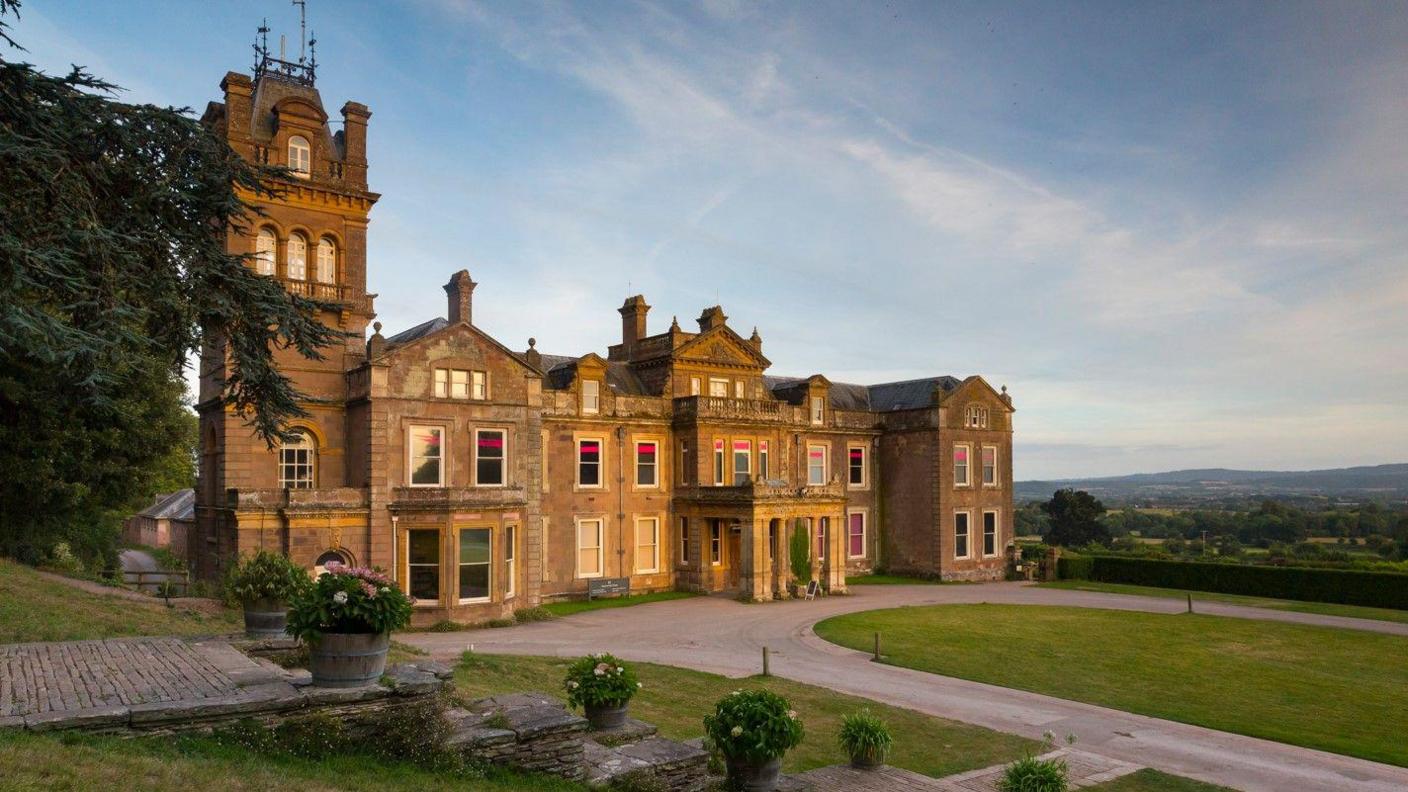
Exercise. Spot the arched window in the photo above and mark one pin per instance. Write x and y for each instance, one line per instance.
(327, 261)
(264, 246)
(297, 458)
(300, 155)
(297, 257)
(329, 557)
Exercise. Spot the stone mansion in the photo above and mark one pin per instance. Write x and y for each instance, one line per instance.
(488, 478)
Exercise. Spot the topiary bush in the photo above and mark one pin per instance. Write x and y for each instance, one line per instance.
(265, 576)
(800, 551)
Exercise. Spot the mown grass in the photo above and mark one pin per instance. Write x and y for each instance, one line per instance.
(580, 606)
(1323, 608)
(676, 700)
(34, 608)
(77, 762)
(1331, 689)
(889, 580)
(1148, 780)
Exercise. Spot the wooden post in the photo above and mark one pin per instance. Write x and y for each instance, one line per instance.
(877, 648)
(765, 662)
(1190, 603)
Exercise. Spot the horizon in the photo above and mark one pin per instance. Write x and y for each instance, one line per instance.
(1177, 234)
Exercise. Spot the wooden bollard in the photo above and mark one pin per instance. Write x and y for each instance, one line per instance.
(765, 662)
(877, 648)
(1190, 603)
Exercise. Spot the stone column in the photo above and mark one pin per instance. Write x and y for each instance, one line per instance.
(783, 562)
(836, 550)
(755, 567)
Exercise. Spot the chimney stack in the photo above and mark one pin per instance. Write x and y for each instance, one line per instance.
(461, 292)
(633, 313)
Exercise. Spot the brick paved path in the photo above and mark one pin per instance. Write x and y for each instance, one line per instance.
(38, 678)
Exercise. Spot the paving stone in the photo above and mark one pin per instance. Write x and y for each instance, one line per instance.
(631, 731)
(91, 718)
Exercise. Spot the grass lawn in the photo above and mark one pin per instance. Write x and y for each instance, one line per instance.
(676, 700)
(1148, 780)
(889, 580)
(77, 762)
(1336, 690)
(1324, 608)
(578, 606)
(34, 608)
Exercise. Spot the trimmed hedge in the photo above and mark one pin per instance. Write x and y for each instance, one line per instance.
(1343, 586)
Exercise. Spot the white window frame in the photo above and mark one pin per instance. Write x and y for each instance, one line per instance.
(459, 564)
(654, 467)
(683, 464)
(479, 385)
(818, 410)
(716, 543)
(503, 458)
(718, 388)
(442, 383)
(967, 534)
(864, 466)
(511, 560)
(411, 459)
(763, 471)
(747, 456)
(297, 251)
(683, 560)
(825, 465)
(738, 389)
(864, 532)
(306, 446)
(984, 468)
(459, 384)
(591, 397)
(996, 533)
(600, 549)
(720, 463)
(967, 468)
(439, 567)
(694, 386)
(600, 462)
(653, 525)
(300, 156)
(326, 269)
(266, 254)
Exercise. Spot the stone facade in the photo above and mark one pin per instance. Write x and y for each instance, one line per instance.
(488, 479)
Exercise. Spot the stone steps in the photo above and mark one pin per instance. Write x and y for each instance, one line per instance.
(634, 750)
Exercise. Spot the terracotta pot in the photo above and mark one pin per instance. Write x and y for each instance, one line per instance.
(605, 716)
(752, 776)
(265, 618)
(342, 660)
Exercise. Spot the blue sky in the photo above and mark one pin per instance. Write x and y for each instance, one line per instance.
(1178, 232)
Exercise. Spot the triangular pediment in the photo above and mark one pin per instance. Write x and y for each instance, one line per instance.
(462, 336)
(721, 346)
(975, 387)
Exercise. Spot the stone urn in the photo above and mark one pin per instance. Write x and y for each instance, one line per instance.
(606, 716)
(749, 776)
(265, 618)
(343, 660)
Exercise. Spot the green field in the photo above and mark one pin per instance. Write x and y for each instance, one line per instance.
(35, 608)
(1323, 608)
(569, 607)
(1336, 690)
(676, 700)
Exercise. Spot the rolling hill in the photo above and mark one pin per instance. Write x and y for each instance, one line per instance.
(1377, 482)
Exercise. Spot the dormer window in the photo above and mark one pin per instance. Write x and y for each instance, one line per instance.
(297, 257)
(300, 156)
(818, 410)
(591, 397)
(264, 246)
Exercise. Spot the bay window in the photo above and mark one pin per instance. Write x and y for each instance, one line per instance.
(423, 565)
(475, 564)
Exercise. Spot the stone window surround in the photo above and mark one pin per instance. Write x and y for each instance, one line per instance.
(503, 432)
(746, 454)
(278, 241)
(825, 464)
(984, 467)
(716, 542)
(443, 383)
(864, 466)
(683, 559)
(996, 533)
(577, 523)
(300, 156)
(967, 467)
(459, 530)
(967, 534)
(864, 532)
(639, 521)
(590, 397)
(444, 429)
(307, 445)
(636, 441)
(600, 439)
(511, 560)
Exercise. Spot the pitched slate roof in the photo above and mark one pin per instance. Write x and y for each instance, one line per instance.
(179, 505)
(884, 397)
(419, 331)
(620, 378)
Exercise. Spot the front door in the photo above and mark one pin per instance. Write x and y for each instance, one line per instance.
(734, 558)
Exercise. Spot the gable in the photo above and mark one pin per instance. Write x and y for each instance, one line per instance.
(721, 347)
(453, 343)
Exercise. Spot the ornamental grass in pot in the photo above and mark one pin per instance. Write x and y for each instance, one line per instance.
(264, 584)
(602, 685)
(866, 739)
(346, 617)
(753, 729)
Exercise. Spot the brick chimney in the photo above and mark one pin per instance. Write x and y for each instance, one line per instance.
(633, 313)
(712, 317)
(461, 292)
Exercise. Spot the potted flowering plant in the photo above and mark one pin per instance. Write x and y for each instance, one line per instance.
(602, 686)
(265, 583)
(865, 738)
(346, 618)
(753, 729)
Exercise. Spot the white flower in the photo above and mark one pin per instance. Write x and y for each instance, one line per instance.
(340, 598)
(598, 672)
(792, 714)
(620, 670)
(573, 685)
(736, 731)
(639, 686)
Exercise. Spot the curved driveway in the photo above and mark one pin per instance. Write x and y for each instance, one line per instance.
(723, 636)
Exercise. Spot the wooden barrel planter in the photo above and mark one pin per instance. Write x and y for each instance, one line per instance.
(606, 716)
(265, 618)
(343, 660)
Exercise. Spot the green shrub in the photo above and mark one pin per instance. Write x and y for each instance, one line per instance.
(445, 625)
(1030, 774)
(865, 737)
(497, 623)
(753, 725)
(265, 575)
(1074, 567)
(599, 680)
(800, 550)
(1343, 586)
(538, 614)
